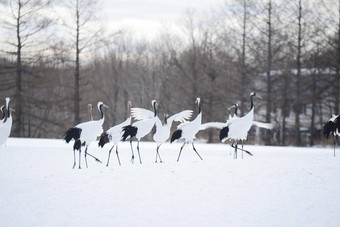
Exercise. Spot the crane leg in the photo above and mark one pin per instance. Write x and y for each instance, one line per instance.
(180, 151)
(334, 141)
(86, 156)
(248, 152)
(117, 154)
(157, 154)
(108, 158)
(140, 160)
(196, 151)
(133, 156)
(235, 153)
(79, 157)
(242, 148)
(74, 158)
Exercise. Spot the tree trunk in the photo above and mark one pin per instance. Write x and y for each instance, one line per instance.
(337, 79)
(18, 97)
(284, 110)
(298, 78)
(77, 73)
(312, 129)
(243, 70)
(269, 69)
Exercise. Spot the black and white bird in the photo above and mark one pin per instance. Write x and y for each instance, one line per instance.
(236, 128)
(114, 135)
(332, 127)
(163, 130)
(84, 133)
(142, 127)
(188, 130)
(6, 127)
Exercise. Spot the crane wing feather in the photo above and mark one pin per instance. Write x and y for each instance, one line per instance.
(218, 125)
(181, 116)
(141, 114)
(263, 125)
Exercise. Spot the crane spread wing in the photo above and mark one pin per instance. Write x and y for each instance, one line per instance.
(263, 125)
(218, 125)
(141, 114)
(181, 116)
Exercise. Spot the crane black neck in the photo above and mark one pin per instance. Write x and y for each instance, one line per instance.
(199, 107)
(235, 110)
(165, 120)
(251, 102)
(155, 109)
(101, 112)
(8, 111)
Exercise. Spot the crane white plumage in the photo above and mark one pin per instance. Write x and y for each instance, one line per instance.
(142, 127)
(6, 127)
(332, 126)
(163, 130)
(188, 130)
(84, 133)
(236, 128)
(114, 135)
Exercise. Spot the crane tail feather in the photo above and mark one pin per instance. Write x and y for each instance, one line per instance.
(176, 135)
(224, 133)
(104, 139)
(72, 133)
(127, 131)
(328, 128)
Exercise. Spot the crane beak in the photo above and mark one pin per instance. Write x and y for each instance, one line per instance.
(259, 96)
(105, 106)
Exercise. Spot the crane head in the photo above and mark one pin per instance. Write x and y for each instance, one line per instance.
(100, 104)
(7, 101)
(153, 102)
(198, 100)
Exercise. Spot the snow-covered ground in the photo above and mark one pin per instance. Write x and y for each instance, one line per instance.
(278, 186)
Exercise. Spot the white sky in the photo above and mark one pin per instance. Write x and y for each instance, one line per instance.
(145, 17)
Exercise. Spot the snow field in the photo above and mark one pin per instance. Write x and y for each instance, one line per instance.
(278, 186)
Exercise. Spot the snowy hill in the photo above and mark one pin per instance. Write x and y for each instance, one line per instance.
(278, 186)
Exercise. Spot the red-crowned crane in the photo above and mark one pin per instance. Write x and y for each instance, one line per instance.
(163, 130)
(188, 130)
(140, 128)
(84, 133)
(236, 128)
(5, 127)
(114, 135)
(332, 127)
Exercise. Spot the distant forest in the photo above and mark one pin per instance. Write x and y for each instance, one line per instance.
(52, 66)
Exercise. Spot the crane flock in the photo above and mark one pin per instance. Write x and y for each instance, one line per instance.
(234, 130)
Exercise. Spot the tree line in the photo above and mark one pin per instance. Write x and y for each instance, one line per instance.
(52, 64)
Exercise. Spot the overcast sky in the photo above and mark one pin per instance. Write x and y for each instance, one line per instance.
(144, 17)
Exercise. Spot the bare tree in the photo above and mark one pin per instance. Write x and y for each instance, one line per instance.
(85, 32)
(24, 23)
(330, 22)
